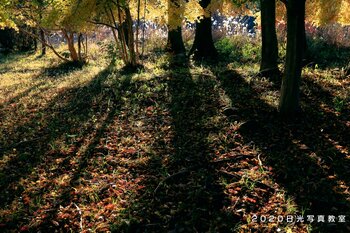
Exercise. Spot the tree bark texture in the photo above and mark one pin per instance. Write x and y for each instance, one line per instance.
(289, 100)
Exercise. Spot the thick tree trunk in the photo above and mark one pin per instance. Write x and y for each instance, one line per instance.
(175, 43)
(306, 55)
(289, 100)
(269, 49)
(203, 45)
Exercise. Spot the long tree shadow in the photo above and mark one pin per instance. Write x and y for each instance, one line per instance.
(311, 168)
(34, 91)
(186, 195)
(84, 152)
(198, 192)
(67, 118)
(94, 137)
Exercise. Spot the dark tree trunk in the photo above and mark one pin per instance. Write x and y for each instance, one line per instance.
(175, 43)
(289, 100)
(7, 39)
(80, 38)
(269, 49)
(306, 55)
(35, 43)
(123, 30)
(203, 45)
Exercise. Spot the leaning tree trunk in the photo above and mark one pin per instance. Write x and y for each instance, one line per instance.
(203, 45)
(175, 42)
(289, 100)
(70, 42)
(269, 49)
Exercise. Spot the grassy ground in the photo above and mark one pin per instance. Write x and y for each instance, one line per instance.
(176, 147)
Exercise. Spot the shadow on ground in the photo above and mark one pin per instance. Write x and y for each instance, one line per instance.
(309, 156)
(165, 136)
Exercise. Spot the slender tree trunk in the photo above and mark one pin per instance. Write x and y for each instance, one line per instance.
(35, 41)
(43, 41)
(80, 37)
(269, 48)
(121, 32)
(144, 28)
(35, 36)
(41, 31)
(114, 31)
(203, 45)
(138, 26)
(86, 44)
(175, 42)
(289, 100)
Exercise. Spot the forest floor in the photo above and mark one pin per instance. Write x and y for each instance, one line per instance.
(175, 147)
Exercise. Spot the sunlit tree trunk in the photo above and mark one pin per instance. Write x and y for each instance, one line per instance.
(289, 100)
(203, 45)
(269, 48)
(70, 42)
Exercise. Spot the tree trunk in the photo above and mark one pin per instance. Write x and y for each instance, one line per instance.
(269, 49)
(122, 37)
(306, 55)
(175, 42)
(70, 41)
(131, 40)
(43, 42)
(80, 38)
(289, 100)
(203, 45)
